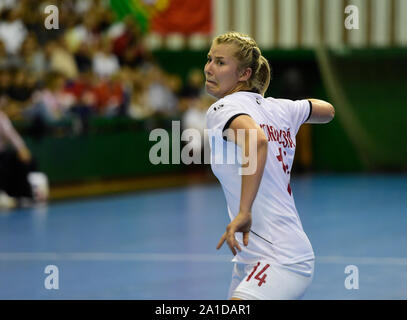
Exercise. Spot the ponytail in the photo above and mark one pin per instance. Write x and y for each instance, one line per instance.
(262, 76)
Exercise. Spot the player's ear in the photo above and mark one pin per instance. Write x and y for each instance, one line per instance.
(245, 74)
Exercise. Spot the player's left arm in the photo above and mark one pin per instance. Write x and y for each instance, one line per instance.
(253, 137)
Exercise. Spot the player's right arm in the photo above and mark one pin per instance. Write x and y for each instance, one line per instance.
(321, 112)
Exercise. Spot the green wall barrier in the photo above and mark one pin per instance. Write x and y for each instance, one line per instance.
(113, 149)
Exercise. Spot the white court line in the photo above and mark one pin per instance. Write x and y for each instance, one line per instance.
(108, 256)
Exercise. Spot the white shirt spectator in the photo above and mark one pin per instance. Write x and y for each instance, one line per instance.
(160, 98)
(83, 6)
(13, 34)
(7, 4)
(105, 65)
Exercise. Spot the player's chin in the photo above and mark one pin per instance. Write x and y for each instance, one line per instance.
(211, 91)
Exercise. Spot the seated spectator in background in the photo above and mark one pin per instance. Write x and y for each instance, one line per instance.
(160, 97)
(83, 30)
(82, 110)
(82, 7)
(49, 104)
(127, 43)
(193, 89)
(12, 30)
(8, 60)
(32, 57)
(83, 58)
(77, 87)
(17, 87)
(83, 104)
(20, 183)
(60, 59)
(194, 118)
(194, 105)
(8, 4)
(109, 94)
(195, 85)
(124, 79)
(138, 107)
(22, 87)
(104, 62)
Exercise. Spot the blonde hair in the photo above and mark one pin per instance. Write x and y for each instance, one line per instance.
(249, 56)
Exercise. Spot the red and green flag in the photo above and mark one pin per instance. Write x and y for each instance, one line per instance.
(167, 16)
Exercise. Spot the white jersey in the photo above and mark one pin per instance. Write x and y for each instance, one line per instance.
(276, 232)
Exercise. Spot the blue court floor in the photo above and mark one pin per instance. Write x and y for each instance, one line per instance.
(161, 244)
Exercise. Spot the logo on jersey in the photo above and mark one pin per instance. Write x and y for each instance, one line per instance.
(217, 108)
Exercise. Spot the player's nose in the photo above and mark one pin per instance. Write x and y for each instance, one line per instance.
(208, 69)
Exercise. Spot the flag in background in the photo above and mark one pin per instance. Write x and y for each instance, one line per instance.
(167, 16)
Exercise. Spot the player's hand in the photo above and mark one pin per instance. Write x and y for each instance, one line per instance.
(241, 223)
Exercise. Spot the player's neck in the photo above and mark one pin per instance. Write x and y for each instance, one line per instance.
(241, 86)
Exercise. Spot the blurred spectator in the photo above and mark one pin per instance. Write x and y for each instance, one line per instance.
(83, 57)
(83, 101)
(8, 60)
(109, 96)
(12, 31)
(195, 85)
(82, 31)
(50, 102)
(104, 62)
(60, 59)
(16, 88)
(138, 107)
(80, 86)
(193, 89)
(194, 118)
(82, 7)
(160, 98)
(194, 105)
(90, 66)
(22, 86)
(32, 57)
(127, 43)
(7, 4)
